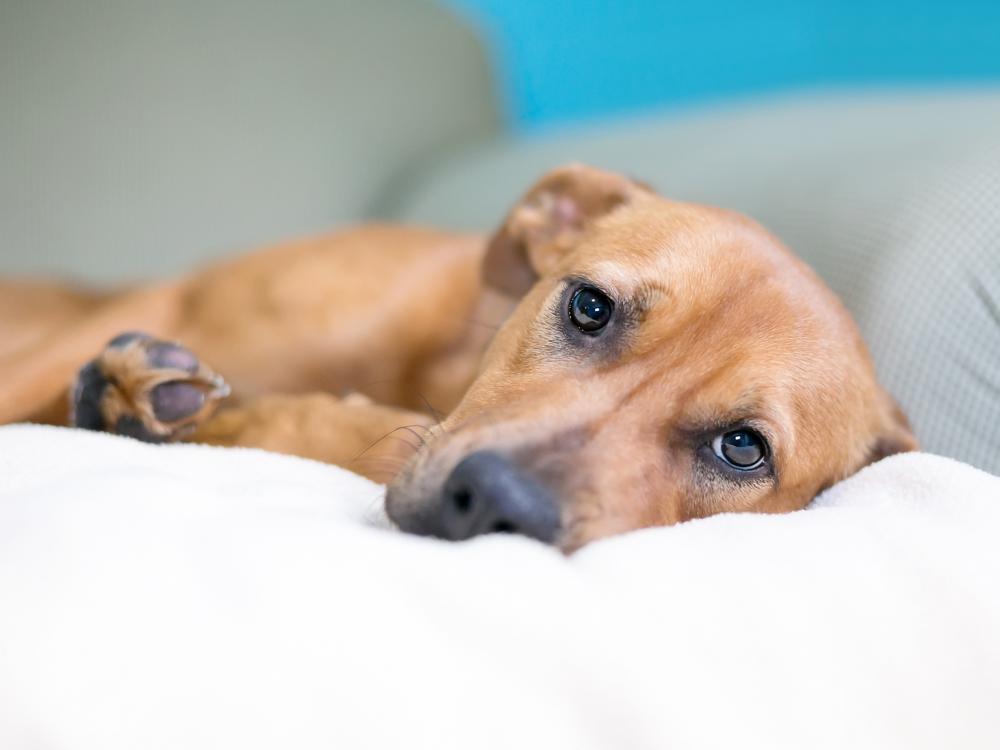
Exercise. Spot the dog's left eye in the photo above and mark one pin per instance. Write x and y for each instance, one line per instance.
(741, 449)
(590, 309)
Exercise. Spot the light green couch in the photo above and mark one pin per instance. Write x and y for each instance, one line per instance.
(140, 138)
(139, 143)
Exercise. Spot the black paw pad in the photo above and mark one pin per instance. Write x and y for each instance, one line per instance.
(134, 428)
(124, 339)
(87, 394)
(165, 355)
(175, 400)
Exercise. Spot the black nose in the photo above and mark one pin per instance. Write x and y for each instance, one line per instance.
(488, 494)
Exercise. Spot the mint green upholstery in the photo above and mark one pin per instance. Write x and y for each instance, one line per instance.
(138, 138)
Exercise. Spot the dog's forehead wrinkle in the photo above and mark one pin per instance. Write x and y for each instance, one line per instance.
(639, 278)
(632, 391)
(613, 275)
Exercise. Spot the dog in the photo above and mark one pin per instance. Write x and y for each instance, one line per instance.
(608, 360)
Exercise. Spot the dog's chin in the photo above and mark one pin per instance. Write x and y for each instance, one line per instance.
(580, 533)
(405, 514)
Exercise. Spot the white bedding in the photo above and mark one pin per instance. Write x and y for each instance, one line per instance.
(193, 597)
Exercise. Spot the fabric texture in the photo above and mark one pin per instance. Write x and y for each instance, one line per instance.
(195, 597)
(914, 251)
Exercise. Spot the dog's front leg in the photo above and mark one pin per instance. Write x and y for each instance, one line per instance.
(160, 391)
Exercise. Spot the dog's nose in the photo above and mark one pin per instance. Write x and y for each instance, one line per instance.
(486, 494)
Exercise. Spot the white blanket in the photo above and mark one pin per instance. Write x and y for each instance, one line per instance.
(192, 597)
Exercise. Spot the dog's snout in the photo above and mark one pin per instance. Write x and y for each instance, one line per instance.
(486, 493)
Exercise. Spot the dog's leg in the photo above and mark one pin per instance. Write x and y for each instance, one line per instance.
(353, 432)
(159, 391)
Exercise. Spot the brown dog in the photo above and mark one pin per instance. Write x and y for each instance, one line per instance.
(610, 360)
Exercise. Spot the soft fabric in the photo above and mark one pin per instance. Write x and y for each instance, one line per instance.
(892, 197)
(192, 597)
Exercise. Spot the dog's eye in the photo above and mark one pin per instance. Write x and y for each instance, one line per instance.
(741, 449)
(590, 309)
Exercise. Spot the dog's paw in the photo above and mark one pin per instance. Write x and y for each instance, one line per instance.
(145, 388)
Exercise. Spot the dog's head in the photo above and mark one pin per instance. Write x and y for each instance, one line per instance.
(667, 361)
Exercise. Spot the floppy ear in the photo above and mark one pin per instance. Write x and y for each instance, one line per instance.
(896, 437)
(548, 221)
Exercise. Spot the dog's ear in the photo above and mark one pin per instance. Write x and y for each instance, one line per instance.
(896, 436)
(548, 221)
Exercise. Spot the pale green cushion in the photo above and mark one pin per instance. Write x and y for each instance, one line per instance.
(914, 250)
(140, 138)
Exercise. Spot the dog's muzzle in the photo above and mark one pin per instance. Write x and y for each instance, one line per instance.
(484, 494)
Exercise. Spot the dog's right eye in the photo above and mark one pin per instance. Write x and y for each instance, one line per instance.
(590, 309)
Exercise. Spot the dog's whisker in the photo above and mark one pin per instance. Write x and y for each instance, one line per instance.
(434, 412)
(384, 437)
(407, 443)
(428, 431)
(417, 435)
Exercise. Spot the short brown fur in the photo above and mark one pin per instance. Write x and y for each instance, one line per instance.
(727, 327)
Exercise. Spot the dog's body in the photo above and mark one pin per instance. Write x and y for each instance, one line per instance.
(385, 310)
(647, 350)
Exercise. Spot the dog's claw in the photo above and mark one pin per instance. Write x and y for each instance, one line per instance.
(152, 390)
